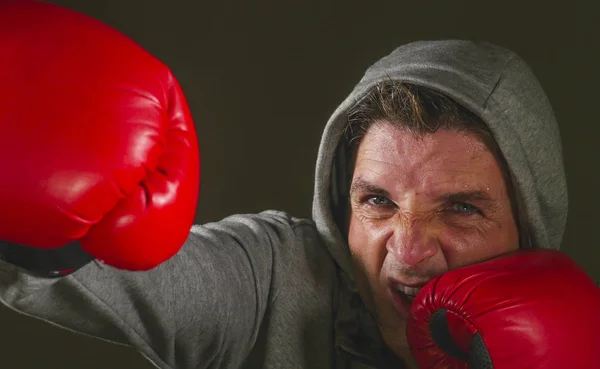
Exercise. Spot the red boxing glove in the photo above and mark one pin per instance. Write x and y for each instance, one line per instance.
(531, 309)
(97, 144)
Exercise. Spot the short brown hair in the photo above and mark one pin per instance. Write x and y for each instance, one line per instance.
(421, 111)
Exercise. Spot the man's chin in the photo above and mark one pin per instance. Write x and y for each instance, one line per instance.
(392, 326)
(394, 336)
(397, 342)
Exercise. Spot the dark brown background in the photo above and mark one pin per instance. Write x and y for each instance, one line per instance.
(262, 77)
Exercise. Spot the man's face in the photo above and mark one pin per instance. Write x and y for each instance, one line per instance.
(421, 207)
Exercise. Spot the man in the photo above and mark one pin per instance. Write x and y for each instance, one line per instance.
(445, 155)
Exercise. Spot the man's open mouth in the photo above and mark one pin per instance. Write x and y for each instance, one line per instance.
(409, 292)
(403, 296)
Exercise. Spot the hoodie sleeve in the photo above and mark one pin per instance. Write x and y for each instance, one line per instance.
(202, 308)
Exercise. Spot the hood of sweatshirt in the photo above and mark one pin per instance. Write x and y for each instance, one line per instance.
(495, 84)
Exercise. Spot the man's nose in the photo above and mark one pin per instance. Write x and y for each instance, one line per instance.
(413, 241)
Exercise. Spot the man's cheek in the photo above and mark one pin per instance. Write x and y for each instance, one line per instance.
(466, 247)
(461, 247)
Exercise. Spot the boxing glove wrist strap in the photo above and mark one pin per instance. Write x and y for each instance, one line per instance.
(49, 263)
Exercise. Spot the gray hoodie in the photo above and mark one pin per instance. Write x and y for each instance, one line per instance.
(270, 290)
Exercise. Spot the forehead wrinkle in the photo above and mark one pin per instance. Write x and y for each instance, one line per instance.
(431, 164)
(395, 161)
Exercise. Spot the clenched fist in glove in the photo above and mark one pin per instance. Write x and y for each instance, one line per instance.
(97, 146)
(531, 309)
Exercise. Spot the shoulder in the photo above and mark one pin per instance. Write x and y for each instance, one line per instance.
(292, 244)
(289, 242)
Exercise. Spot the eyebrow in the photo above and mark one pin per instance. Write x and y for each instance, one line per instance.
(482, 197)
(362, 186)
(477, 196)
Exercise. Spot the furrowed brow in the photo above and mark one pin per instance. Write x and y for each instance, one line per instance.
(360, 185)
(480, 197)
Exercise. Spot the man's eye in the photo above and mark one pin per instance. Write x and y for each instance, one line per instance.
(463, 208)
(378, 201)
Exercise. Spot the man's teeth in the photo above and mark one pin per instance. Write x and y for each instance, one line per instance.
(409, 291)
